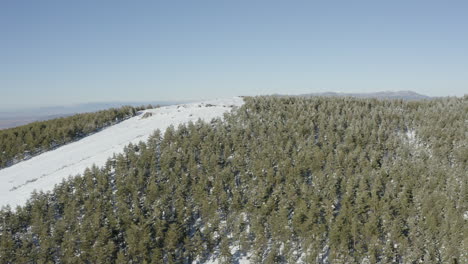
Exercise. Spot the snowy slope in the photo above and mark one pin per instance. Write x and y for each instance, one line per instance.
(44, 171)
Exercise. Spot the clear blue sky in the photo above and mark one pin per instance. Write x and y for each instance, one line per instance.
(62, 52)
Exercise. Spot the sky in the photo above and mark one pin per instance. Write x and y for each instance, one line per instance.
(68, 52)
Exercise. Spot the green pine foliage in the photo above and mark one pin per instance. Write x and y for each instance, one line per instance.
(322, 180)
(26, 141)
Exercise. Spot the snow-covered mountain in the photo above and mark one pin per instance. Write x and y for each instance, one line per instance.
(42, 172)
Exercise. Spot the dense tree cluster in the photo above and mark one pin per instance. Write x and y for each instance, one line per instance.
(29, 140)
(322, 180)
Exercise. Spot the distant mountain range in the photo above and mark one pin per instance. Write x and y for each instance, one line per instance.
(405, 95)
(9, 122)
(14, 118)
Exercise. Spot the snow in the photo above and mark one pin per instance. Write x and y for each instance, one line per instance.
(418, 147)
(42, 172)
(237, 256)
(411, 136)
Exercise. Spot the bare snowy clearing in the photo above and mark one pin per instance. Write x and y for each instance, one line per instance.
(42, 172)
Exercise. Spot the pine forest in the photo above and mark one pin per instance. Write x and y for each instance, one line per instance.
(280, 179)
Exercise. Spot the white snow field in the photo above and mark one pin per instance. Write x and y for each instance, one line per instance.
(42, 172)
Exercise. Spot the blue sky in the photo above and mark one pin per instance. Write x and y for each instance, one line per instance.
(64, 52)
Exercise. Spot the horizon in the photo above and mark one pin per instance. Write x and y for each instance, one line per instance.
(95, 103)
(26, 109)
(59, 54)
(169, 102)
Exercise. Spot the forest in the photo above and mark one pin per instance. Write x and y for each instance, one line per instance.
(19, 143)
(282, 180)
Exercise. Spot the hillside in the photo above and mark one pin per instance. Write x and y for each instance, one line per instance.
(23, 142)
(279, 180)
(42, 172)
(10, 118)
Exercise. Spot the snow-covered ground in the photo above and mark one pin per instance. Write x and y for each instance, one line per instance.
(42, 172)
